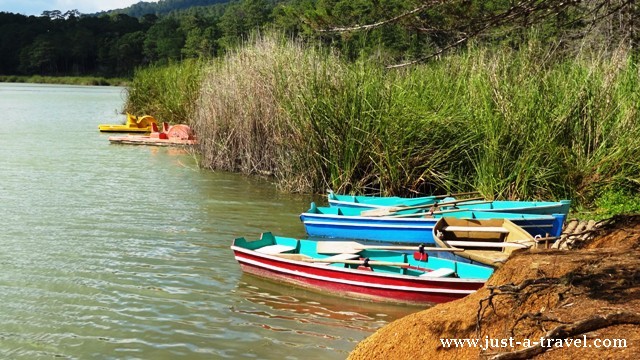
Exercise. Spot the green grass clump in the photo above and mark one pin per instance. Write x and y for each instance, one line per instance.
(167, 92)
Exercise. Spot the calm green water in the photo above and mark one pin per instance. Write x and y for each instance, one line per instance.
(117, 252)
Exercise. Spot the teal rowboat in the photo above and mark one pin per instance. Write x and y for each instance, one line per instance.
(503, 206)
(373, 202)
(376, 275)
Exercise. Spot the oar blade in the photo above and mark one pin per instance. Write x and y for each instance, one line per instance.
(353, 247)
(384, 211)
(338, 247)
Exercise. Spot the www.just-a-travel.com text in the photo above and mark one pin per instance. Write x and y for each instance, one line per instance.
(487, 343)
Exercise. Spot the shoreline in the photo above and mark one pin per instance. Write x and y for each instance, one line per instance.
(65, 80)
(590, 292)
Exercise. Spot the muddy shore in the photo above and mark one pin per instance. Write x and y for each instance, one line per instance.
(590, 294)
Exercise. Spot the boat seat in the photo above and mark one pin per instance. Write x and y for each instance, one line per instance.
(274, 249)
(486, 244)
(442, 272)
(497, 229)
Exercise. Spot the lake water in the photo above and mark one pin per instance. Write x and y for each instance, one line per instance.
(122, 251)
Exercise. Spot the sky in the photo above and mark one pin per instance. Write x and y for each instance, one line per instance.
(36, 7)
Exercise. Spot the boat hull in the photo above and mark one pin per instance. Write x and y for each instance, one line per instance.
(148, 140)
(123, 129)
(134, 124)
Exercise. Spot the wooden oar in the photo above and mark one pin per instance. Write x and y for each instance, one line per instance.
(386, 211)
(305, 258)
(418, 214)
(457, 194)
(353, 247)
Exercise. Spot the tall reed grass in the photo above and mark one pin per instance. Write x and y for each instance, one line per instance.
(314, 121)
(512, 124)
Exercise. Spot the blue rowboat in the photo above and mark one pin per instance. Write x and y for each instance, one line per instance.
(410, 226)
(377, 275)
(520, 207)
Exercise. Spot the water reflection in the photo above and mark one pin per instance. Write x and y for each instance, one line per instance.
(272, 300)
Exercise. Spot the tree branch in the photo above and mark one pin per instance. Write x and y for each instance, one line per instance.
(384, 22)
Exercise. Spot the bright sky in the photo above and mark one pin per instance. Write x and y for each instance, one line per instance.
(36, 7)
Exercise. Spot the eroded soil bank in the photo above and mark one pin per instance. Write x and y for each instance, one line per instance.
(591, 294)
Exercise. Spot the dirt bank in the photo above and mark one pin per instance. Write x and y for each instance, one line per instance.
(592, 293)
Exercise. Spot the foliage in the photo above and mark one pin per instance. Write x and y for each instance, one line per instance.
(162, 7)
(115, 43)
(168, 92)
(494, 120)
(614, 202)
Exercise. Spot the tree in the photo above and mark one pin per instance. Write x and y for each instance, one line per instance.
(240, 19)
(452, 23)
(164, 41)
(201, 35)
(127, 52)
(39, 57)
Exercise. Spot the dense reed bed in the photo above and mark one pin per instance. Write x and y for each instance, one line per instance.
(514, 124)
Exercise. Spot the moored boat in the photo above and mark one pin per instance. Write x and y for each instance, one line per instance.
(487, 242)
(378, 275)
(410, 226)
(372, 202)
(134, 124)
(512, 206)
(520, 207)
(176, 135)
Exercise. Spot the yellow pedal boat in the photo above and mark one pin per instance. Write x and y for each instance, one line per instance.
(134, 124)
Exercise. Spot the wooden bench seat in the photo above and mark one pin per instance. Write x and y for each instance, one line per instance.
(485, 244)
(497, 229)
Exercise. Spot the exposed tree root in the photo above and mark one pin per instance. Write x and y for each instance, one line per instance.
(516, 291)
(538, 318)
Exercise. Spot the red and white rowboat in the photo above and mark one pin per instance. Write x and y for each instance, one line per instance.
(378, 275)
